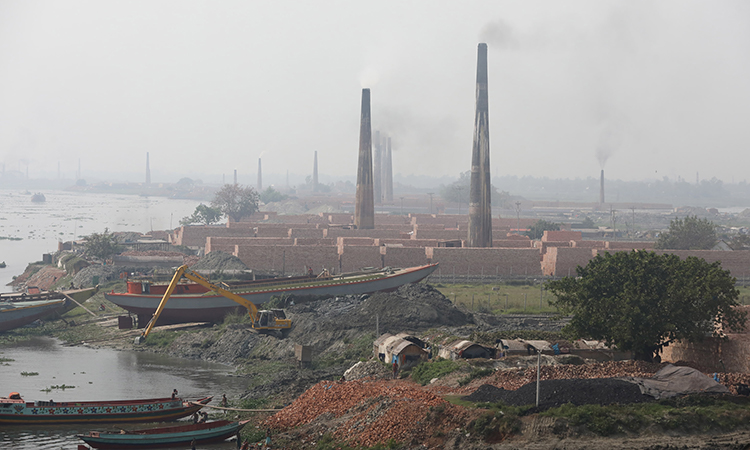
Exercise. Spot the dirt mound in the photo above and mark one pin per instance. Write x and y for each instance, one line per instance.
(552, 393)
(219, 262)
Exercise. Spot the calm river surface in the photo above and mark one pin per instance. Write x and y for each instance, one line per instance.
(66, 216)
(100, 374)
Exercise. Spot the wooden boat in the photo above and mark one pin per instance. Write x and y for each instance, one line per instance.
(181, 435)
(16, 411)
(17, 314)
(72, 298)
(192, 303)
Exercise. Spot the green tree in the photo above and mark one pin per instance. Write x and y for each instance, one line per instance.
(690, 233)
(537, 230)
(272, 195)
(100, 245)
(235, 201)
(203, 214)
(640, 301)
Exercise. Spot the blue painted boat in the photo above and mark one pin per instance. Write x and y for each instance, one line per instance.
(17, 314)
(175, 436)
(14, 410)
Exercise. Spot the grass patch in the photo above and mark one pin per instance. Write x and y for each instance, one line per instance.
(428, 370)
(476, 373)
(6, 360)
(690, 414)
(29, 374)
(162, 339)
(356, 348)
(507, 298)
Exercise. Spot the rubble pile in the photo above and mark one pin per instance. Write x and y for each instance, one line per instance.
(368, 412)
(552, 393)
(219, 262)
(512, 379)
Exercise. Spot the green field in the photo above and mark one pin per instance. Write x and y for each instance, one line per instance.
(513, 298)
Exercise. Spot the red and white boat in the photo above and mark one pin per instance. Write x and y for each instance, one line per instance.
(191, 302)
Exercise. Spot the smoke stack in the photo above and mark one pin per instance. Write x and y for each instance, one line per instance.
(364, 208)
(260, 177)
(148, 171)
(601, 188)
(377, 186)
(388, 179)
(315, 173)
(235, 176)
(480, 201)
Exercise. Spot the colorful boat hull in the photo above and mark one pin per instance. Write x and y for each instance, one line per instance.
(20, 412)
(183, 435)
(17, 314)
(213, 308)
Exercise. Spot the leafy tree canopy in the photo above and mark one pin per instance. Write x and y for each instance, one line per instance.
(690, 233)
(204, 215)
(537, 230)
(100, 245)
(235, 201)
(640, 301)
(272, 195)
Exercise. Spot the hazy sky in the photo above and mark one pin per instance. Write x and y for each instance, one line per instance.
(647, 88)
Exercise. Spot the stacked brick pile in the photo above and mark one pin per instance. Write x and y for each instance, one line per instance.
(369, 412)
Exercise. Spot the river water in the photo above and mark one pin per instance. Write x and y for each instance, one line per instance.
(100, 374)
(28, 229)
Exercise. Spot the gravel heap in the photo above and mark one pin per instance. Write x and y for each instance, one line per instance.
(552, 393)
(219, 262)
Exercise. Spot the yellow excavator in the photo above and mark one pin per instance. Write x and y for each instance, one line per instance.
(266, 320)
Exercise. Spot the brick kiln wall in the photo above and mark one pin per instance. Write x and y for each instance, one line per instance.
(562, 261)
(737, 262)
(487, 261)
(552, 235)
(227, 244)
(627, 246)
(512, 243)
(408, 242)
(403, 256)
(292, 259)
(334, 232)
(195, 235)
(355, 257)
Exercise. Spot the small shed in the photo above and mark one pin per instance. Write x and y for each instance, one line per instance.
(466, 350)
(512, 347)
(390, 349)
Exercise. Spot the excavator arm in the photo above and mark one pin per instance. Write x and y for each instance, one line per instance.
(261, 320)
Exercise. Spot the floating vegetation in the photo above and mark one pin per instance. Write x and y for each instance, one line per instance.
(29, 374)
(10, 238)
(57, 386)
(6, 360)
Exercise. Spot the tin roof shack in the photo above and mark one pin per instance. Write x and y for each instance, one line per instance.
(390, 349)
(512, 347)
(465, 350)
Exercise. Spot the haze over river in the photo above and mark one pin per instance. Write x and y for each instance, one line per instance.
(66, 216)
(100, 374)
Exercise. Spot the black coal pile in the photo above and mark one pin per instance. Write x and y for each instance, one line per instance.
(552, 393)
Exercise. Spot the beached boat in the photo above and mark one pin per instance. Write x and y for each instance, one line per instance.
(181, 435)
(16, 411)
(72, 297)
(17, 314)
(192, 303)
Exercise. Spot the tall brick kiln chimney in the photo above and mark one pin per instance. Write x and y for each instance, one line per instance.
(377, 182)
(315, 172)
(235, 176)
(364, 208)
(260, 177)
(601, 188)
(388, 179)
(480, 201)
(148, 171)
